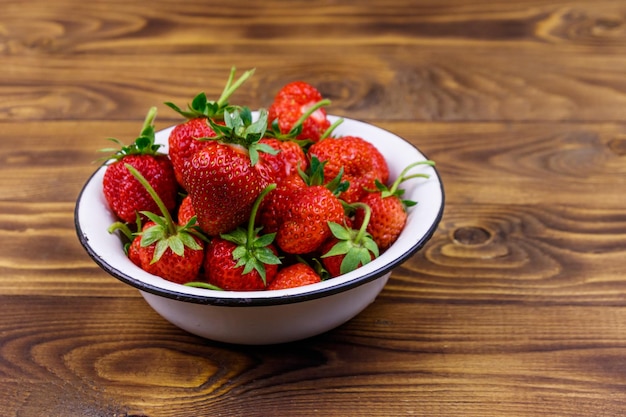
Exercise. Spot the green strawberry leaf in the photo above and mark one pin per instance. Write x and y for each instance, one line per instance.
(159, 249)
(188, 240)
(240, 253)
(317, 267)
(356, 246)
(205, 285)
(144, 144)
(237, 236)
(342, 247)
(260, 268)
(175, 243)
(199, 103)
(351, 261)
(265, 148)
(151, 235)
(246, 117)
(239, 129)
(339, 231)
(371, 246)
(156, 218)
(178, 110)
(266, 256)
(200, 106)
(249, 265)
(263, 240)
(337, 185)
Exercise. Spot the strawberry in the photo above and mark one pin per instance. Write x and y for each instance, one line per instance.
(293, 276)
(361, 162)
(124, 194)
(289, 158)
(227, 273)
(300, 207)
(225, 177)
(348, 249)
(242, 260)
(183, 143)
(165, 249)
(184, 140)
(222, 186)
(277, 203)
(134, 251)
(388, 210)
(185, 210)
(180, 267)
(304, 226)
(291, 103)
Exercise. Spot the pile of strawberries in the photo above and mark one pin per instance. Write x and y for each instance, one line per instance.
(252, 203)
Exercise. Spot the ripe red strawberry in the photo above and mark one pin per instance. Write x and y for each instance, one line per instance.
(299, 209)
(388, 210)
(362, 164)
(242, 260)
(176, 267)
(304, 226)
(225, 177)
(183, 143)
(388, 218)
(292, 102)
(185, 210)
(348, 249)
(225, 272)
(277, 203)
(133, 251)
(222, 186)
(184, 139)
(293, 276)
(165, 249)
(124, 194)
(289, 158)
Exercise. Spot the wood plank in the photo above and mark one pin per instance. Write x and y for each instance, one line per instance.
(412, 356)
(420, 84)
(411, 60)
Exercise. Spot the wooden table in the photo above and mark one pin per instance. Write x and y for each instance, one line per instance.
(516, 307)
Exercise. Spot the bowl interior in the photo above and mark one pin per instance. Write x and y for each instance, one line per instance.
(93, 217)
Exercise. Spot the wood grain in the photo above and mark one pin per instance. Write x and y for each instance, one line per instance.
(517, 305)
(497, 356)
(404, 62)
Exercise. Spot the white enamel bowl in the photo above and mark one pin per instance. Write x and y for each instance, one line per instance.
(268, 317)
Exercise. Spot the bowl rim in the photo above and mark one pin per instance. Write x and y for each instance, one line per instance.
(259, 299)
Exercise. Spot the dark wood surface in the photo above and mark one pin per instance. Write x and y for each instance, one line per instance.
(516, 307)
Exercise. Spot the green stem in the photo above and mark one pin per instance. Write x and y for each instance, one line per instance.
(205, 285)
(123, 228)
(149, 120)
(366, 220)
(331, 128)
(402, 177)
(171, 227)
(255, 208)
(416, 176)
(230, 88)
(311, 110)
